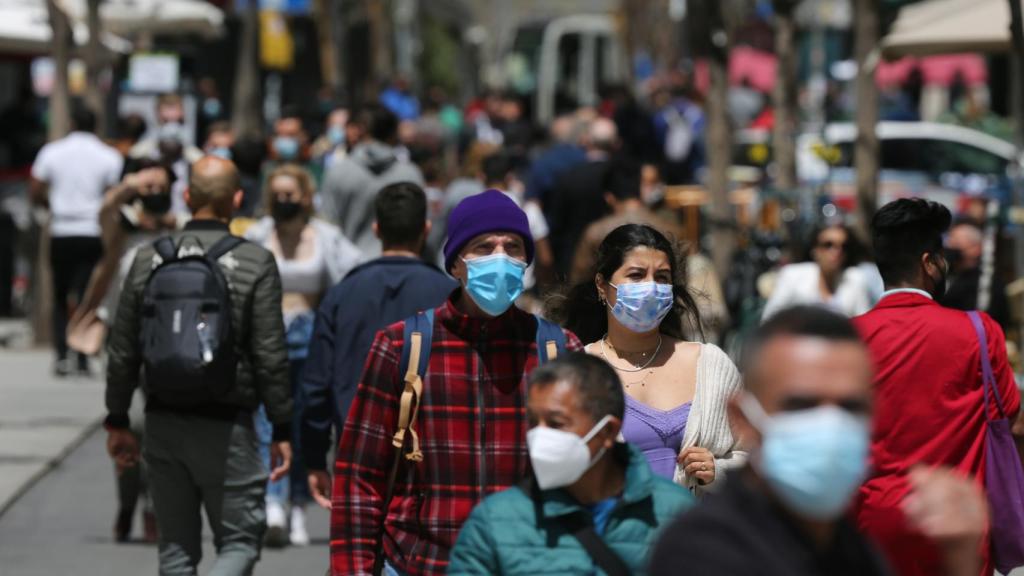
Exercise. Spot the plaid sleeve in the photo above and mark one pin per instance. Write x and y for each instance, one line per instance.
(363, 461)
(572, 343)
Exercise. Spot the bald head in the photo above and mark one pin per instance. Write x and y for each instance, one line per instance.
(968, 239)
(603, 134)
(213, 185)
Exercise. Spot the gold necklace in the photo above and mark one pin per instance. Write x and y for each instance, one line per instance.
(636, 367)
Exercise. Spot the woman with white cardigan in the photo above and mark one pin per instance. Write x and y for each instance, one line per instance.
(632, 314)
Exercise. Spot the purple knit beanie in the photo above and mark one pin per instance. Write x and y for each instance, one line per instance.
(489, 211)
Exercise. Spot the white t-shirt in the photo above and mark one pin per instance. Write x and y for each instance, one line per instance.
(78, 169)
(538, 229)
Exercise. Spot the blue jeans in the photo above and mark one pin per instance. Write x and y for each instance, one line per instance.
(294, 487)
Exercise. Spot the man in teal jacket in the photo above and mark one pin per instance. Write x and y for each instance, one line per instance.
(586, 486)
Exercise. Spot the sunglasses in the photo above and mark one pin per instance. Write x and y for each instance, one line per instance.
(830, 245)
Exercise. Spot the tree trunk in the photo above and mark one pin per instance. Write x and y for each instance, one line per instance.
(378, 12)
(60, 98)
(784, 100)
(246, 109)
(1017, 61)
(866, 151)
(94, 65)
(719, 142)
(325, 15)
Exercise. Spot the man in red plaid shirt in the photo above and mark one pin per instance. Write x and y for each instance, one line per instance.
(471, 425)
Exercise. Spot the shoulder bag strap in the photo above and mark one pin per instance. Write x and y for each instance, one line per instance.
(417, 339)
(987, 377)
(599, 551)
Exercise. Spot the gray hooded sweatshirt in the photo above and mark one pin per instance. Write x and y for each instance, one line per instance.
(351, 185)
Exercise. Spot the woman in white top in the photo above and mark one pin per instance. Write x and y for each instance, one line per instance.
(633, 315)
(312, 255)
(830, 278)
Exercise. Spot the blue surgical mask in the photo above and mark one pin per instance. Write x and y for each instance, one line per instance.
(494, 282)
(287, 148)
(641, 306)
(814, 460)
(336, 135)
(221, 152)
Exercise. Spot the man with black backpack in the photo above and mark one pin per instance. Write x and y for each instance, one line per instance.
(439, 418)
(199, 324)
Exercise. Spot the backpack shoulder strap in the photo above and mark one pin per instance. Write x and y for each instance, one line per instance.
(417, 339)
(223, 246)
(550, 340)
(416, 342)
(165, 247)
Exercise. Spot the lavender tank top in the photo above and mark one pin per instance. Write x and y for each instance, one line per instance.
(658, 433)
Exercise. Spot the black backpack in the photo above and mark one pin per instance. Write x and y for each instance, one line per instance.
(186, 337)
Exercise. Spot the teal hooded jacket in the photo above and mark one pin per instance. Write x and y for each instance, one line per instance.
(510, 533)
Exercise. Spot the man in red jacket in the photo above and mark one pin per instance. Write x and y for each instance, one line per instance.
(929, 403)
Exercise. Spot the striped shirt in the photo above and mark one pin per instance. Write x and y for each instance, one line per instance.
(472, 430)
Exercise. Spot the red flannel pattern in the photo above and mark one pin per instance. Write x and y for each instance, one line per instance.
(472, 429)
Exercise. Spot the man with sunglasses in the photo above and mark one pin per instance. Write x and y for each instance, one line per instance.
(806, 416)
(930, 403)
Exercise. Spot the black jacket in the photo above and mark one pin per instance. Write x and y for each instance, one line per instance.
(258, 327)
(372, 296)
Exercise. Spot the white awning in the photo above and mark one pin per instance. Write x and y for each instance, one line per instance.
(946, 26)
(164, 17)
(25, 29)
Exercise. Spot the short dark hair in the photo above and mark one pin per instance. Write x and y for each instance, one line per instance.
(131, 127)
(623, 180)
(401, 210)
(291, 112)
(381, 124)
(596, 382)
(902, 231)
(83, 119)
(497, 167)
(133, 165)
(805, 321)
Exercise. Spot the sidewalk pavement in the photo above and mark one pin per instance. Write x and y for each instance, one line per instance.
(42, 418)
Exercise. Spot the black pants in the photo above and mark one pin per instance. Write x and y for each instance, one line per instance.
(72, 259)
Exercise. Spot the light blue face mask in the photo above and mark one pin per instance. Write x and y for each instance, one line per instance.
(287, 148)
(494, 282)
(221, 152)
(814, 459)
(641, 306)
(336, 135)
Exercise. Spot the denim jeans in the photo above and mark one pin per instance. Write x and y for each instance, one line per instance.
(294, 487)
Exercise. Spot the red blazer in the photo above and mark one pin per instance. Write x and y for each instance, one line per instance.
(928, 410)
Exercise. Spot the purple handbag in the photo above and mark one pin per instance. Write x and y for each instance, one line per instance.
(1004, 475)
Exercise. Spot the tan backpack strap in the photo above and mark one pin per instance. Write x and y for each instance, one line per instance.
(410, 401)
(552, 348)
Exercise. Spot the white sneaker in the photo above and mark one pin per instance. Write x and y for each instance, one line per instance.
(277, 526)
(299, 536)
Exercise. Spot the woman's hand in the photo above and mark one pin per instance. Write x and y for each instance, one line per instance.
(698, 463)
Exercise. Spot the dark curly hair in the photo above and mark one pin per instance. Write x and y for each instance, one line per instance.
(581, 310)
(853, 252)
(902, 231)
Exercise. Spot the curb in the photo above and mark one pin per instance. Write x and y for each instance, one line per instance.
(51, 464)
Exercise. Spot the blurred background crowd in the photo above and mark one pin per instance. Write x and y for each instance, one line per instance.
(756, 132)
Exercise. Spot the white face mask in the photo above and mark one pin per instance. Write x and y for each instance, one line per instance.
(560, 458)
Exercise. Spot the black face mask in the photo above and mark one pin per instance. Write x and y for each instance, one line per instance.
(284, 211)
(156, 204)
(939, 289)
(953, 256)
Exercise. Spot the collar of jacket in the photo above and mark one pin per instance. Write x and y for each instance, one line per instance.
(209, 225)
(904, 300)
(638, 486)
(473, 329)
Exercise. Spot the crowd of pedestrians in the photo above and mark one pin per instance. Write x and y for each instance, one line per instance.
(517, 370)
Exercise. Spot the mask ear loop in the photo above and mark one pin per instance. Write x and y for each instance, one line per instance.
(590, 436)
(754, 412)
